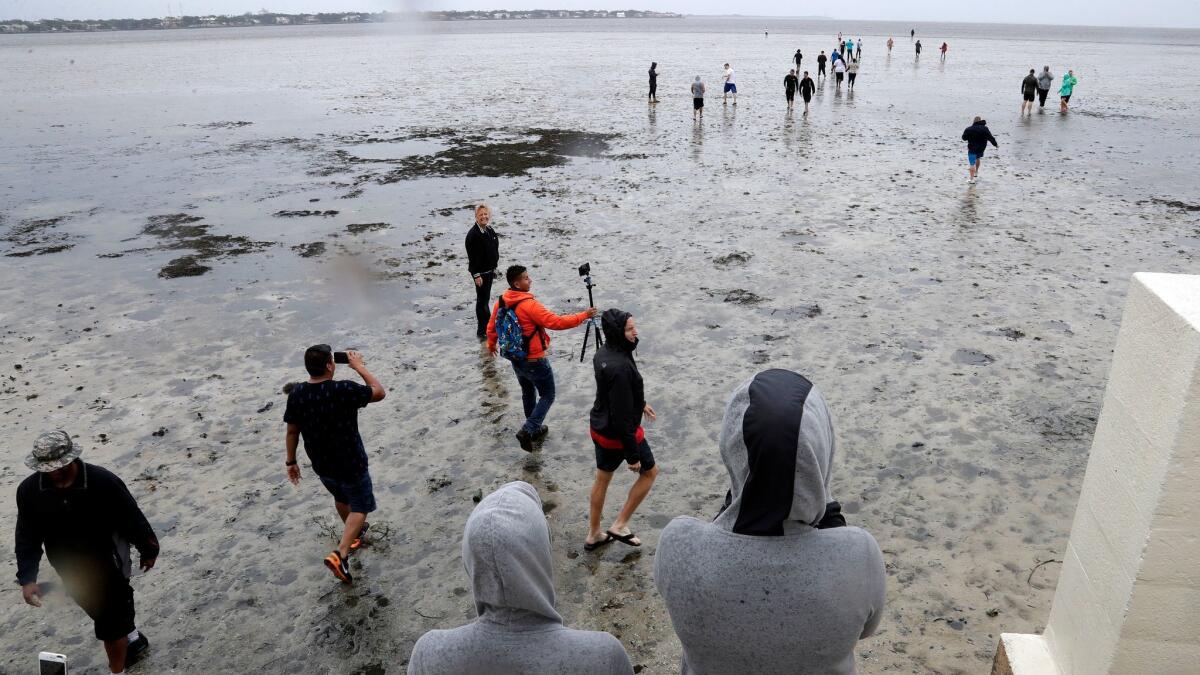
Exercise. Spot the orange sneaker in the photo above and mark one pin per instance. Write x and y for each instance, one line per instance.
(339, 567)
(361, 539)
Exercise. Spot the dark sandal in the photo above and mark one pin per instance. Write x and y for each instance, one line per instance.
(624, 539)
(608, 537)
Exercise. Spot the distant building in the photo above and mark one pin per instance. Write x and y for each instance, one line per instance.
(620, 15)
(283, 20)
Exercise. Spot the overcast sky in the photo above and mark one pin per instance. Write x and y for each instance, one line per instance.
(1168, 13)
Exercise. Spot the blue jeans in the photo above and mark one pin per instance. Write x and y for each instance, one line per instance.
(537, 391)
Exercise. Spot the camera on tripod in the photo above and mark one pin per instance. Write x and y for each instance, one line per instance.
(585, 271)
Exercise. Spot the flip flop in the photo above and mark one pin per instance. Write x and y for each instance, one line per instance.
(624, 539)
(608, 537)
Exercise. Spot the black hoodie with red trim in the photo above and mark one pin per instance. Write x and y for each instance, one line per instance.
(620, 397)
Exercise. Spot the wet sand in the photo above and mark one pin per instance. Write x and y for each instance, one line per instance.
(179, 218)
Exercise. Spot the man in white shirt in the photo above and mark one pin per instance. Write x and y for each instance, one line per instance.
(729, 85)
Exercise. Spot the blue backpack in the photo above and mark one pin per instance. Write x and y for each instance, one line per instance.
(510, 340)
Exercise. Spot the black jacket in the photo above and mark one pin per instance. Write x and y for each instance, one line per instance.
(1029, 85)
(620, 398)
(483, 250)
(977, 137)
(84, 528)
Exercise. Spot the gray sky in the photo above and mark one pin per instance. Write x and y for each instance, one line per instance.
(1167, 13)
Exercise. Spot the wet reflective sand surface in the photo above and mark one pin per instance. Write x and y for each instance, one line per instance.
(182, 213)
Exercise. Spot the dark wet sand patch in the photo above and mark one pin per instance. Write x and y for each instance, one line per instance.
(305, 213)
(359, 228)
(37, 237)
(183, 232)
(310, 250)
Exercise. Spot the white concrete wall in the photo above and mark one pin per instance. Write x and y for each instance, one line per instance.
(1128, 595)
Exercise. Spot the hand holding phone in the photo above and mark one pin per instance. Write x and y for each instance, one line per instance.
(341, 357)
(52, 664)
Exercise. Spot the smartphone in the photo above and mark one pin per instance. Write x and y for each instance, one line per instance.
(340, 357)
(52, 664)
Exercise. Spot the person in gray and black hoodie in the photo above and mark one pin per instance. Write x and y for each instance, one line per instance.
(616, 429)
(777, 583)
(483, 254)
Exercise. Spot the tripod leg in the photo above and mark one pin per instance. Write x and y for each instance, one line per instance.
(584, 350)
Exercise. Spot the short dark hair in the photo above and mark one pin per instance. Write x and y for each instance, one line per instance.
(316, 358)
(513, 272)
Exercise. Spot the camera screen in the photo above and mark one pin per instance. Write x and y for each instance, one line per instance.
(53, 667)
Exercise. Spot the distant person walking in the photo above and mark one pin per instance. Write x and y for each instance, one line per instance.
(912, 34)
(839, 72)
(730, 85)
(806, 90)
(698, 89)
(842, 49)
(918, 49)
(851, 73)
(821, 59)
(945, 48)
(858, 49)
(1045, 81)
(1068, 86)
(483, 254)
(849, 48)
(890, 44)
(653, 96)
(789, 88)
(798, 58)
(977, 137)
(1029, 87)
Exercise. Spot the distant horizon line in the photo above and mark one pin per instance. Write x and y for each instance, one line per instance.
(747, 17)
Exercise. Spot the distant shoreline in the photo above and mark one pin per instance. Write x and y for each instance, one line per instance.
(18, 26)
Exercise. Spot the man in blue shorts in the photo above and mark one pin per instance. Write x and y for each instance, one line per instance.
(977, 137)
(729, 85)
(616, 429)
(325, 412)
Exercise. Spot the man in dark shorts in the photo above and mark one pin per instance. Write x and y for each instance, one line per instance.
(806, 90)
(698, 90)
(798, 58)
(616, 430)
(85, 518)
(977, 137)
(821, 59)
(324, 411)
(789, 87)
(1029, 87)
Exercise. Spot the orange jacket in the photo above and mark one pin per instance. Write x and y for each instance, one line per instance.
(533, 315)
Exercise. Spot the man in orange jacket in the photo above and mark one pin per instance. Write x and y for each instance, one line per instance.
(534, 373)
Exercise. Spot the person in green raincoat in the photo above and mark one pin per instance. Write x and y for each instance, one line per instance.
(1068, 86)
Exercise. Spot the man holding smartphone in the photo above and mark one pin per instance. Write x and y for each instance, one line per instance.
(325, 412)
(86, 520)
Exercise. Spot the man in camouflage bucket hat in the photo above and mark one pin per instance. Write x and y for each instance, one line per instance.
(85, 519)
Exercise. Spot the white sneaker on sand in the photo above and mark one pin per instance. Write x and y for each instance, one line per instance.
(971, 180)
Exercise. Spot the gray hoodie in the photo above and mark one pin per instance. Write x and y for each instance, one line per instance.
(760, 589)
(1045, 79)
(506, 549)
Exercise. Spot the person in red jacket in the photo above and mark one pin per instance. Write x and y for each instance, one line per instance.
(534, 373)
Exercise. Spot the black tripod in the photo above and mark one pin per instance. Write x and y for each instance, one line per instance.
(585, 271)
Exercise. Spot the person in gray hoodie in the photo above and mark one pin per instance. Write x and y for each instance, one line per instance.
(506, 550)
(1045, 80)
(777, 583)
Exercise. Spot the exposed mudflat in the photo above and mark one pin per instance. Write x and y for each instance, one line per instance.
(172, 245)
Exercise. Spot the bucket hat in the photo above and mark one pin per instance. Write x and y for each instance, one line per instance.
(52, 450)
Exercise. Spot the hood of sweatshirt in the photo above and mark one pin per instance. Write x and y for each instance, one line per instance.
(777, 443)
(612, 323)
(511, 295)
(506, 549)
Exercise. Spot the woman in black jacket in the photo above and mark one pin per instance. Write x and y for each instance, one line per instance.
(483, 254)
(616, 428)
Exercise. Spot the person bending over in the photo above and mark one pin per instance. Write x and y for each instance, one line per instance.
(533, 369)
(777, 583)
(506, 550)
(324, 411)
(616, 428)
(86, 520)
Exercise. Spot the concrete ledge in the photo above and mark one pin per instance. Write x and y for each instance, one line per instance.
(1020, 654)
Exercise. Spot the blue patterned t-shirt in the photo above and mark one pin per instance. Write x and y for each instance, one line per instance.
(327, 414)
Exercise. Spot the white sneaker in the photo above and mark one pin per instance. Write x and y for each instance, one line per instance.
(971, 181)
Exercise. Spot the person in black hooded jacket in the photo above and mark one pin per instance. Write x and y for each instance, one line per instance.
(616, 428)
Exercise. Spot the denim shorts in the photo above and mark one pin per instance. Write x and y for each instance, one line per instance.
(356, 492)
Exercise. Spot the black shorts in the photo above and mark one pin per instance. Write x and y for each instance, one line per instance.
(697, 103)
(1029, 96)
(610, 460)
(107, 598)
(1042, 93)
(807, 96)
(790, 94)
(821, 69)
(1066, 99)
(839, 76)
(851, 76)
